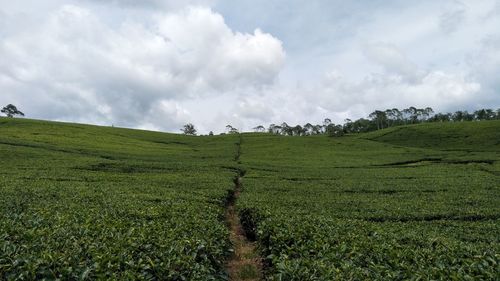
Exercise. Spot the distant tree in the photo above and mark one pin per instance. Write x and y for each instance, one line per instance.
(308, 129)
(362, 125)
(335, 131)
(189, 129)
(317, 129)
(231, 130)
(480, 114)
(329, 128)
(347, 127)
(259, 129)
(484, 114)
(428, 111)
(11, 110)
(458, 116)
(468, 116)
(413, 114)
(379, 118)
(410, 115)
(440, 117)
(298, 130)
(398, 116)
(211, 133)
(490, 114)
(271, 129)
(390, 117)
(274, 129)
(286, 130)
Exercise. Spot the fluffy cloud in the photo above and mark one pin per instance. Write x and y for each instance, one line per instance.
(442, 91)
(74, 66)
(392, 60)
(158, 64)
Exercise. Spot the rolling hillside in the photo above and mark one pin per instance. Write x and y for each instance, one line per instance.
(388, 205)
(465, 136)
(88, 202)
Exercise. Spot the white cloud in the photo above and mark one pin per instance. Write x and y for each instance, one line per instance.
(254, 109)
(391, 59)
(380, 91)
(74, 66)
(158, 64)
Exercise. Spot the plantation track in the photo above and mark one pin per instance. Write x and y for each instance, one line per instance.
(245, 262)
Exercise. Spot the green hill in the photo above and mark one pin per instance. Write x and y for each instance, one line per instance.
(107, 203)
(89, 202)
(466, 136)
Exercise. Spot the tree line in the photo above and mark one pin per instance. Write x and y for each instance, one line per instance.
(378, 119)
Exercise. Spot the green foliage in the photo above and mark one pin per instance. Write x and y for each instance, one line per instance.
(189, 129)
(83, 202)
(419, 202)
(11, 110)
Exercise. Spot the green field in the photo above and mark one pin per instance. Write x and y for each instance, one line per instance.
(414, 202)
(83, 201)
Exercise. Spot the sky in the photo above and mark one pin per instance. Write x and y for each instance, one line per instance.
(159, 64)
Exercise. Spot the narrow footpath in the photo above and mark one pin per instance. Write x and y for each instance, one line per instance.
(245, 263)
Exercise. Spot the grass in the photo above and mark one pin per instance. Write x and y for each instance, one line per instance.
(415, 202)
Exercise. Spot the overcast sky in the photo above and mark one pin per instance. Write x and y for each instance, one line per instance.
(159, 64)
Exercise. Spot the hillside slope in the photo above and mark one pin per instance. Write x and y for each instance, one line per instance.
(89, 202)
(398, 204)
(466, 136)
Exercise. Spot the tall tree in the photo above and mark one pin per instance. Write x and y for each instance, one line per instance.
(490, 114)
(259, 129)
(428, 111)
(308, 129)
(231, 130)
(379, 117)
(11, 110)
(317, 129)
(189, 129)
(335, 130)
(274, 129)
(297, 130)
(458, 116)
(286, 129)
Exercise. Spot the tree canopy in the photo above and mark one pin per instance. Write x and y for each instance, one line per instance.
(381, 119)
(11, 110)
(189, 129)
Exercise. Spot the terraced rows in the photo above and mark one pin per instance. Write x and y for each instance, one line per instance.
(82, 202)
(380, 206)
(85, 202)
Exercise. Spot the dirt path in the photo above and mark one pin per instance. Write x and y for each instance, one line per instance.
(245, 263)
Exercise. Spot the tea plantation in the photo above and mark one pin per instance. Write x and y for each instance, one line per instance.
(419, 202)
(83, 202)
(408, 203)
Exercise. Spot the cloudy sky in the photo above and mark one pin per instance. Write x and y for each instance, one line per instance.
(159, 64)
